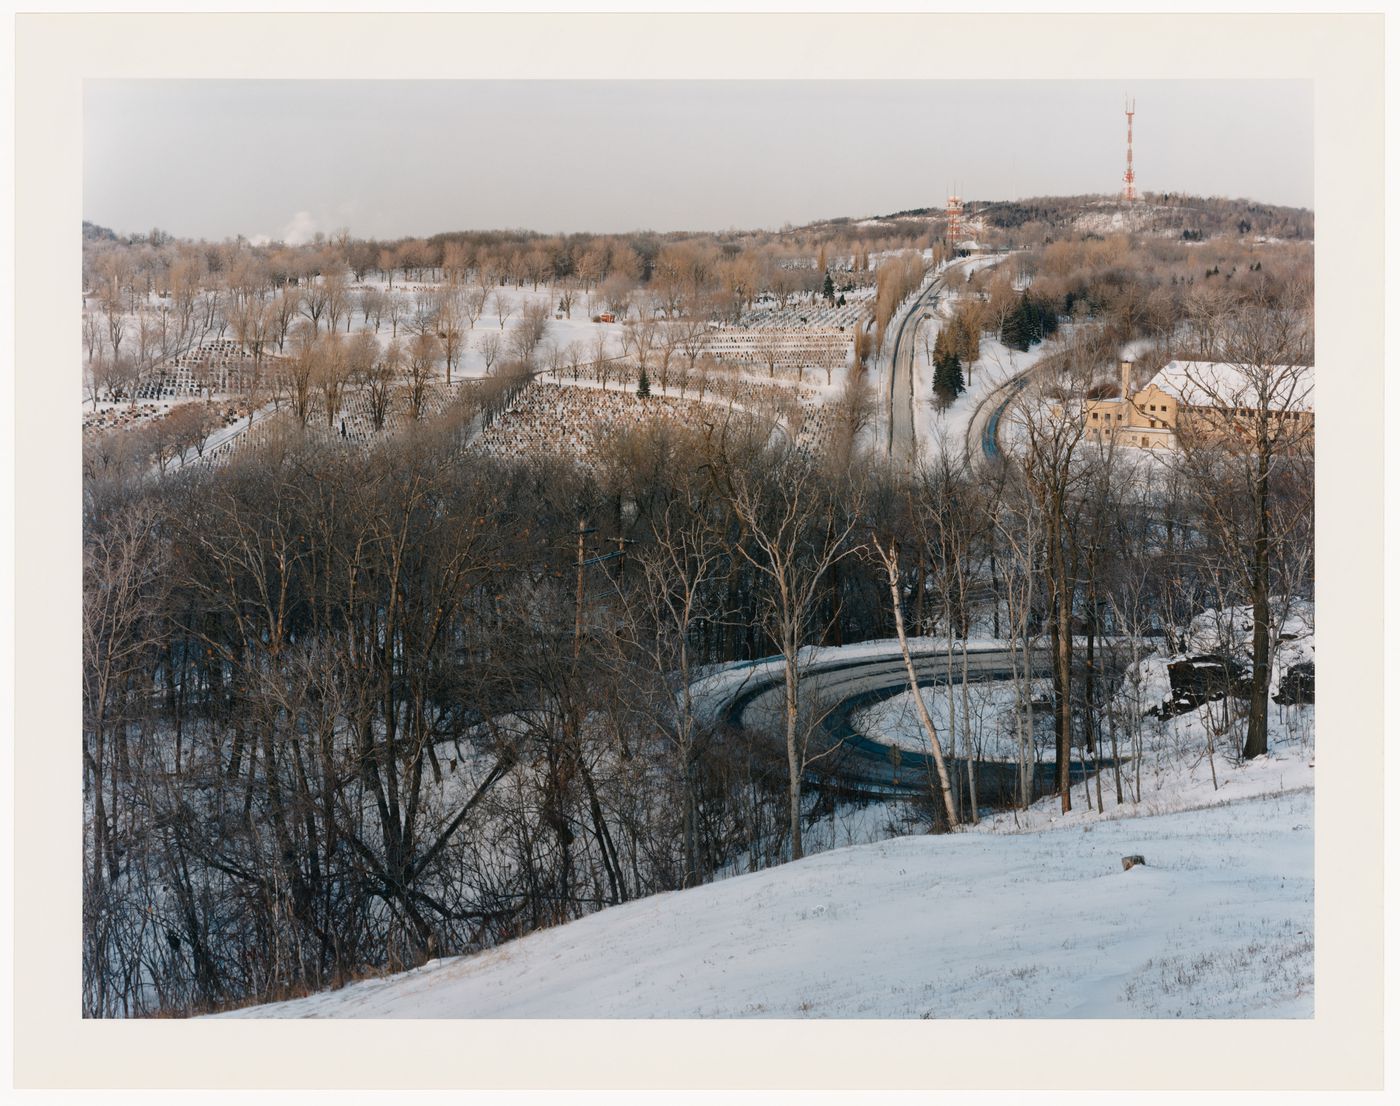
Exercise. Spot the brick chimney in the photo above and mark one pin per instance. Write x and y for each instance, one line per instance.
(1126, 368)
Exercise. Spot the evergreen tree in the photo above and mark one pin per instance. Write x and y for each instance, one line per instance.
(829, 289)
(643, 386)
(1045, 320)
(948, 378)
(1030, 322)
(1015, 331)
(948, 381)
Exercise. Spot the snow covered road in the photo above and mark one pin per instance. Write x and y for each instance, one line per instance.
(845, 682)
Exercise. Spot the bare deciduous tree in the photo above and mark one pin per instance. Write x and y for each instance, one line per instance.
(1244, 430)
(503, 307)
(794, 527)
(420, 369)
(489, 346)
(888, 556)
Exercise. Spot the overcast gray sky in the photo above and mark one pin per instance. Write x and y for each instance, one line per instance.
(386, 159)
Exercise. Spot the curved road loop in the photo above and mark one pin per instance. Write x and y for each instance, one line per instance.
(859, 764)
(984, 428)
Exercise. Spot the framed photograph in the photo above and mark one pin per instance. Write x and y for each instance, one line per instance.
(843, 548)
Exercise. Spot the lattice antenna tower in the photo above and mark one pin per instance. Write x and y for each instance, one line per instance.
(955, 221)
(1129, 180)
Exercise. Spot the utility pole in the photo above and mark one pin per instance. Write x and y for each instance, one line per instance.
(580, 563)
(578, 593)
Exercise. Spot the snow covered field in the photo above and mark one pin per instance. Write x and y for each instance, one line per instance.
(503, 309)
(977, 925)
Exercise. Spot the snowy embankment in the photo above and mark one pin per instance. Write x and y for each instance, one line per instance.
(1028, 914)
(1217, 924)
(948, 429)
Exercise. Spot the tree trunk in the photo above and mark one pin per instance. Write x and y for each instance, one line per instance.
(1256, 742)
(794, 757)
(890, 558)
(968, 752)
(1064, 652)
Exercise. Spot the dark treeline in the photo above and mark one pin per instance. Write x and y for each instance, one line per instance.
(1203, 217)
(347, 709)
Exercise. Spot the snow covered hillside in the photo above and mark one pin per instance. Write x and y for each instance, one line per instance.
(996, 922)
(1027, 914)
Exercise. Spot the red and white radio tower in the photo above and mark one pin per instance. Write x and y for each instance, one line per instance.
(1129, 185)
(955, 230)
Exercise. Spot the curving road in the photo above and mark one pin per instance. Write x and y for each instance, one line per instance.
(862, 766)
(900, 446)
(985, 425)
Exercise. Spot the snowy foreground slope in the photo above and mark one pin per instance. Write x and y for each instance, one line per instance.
(988, 923)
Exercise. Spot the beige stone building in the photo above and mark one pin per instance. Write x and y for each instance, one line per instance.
(1195, 393)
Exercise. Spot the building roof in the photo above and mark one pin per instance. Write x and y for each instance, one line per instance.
(1221, 384)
